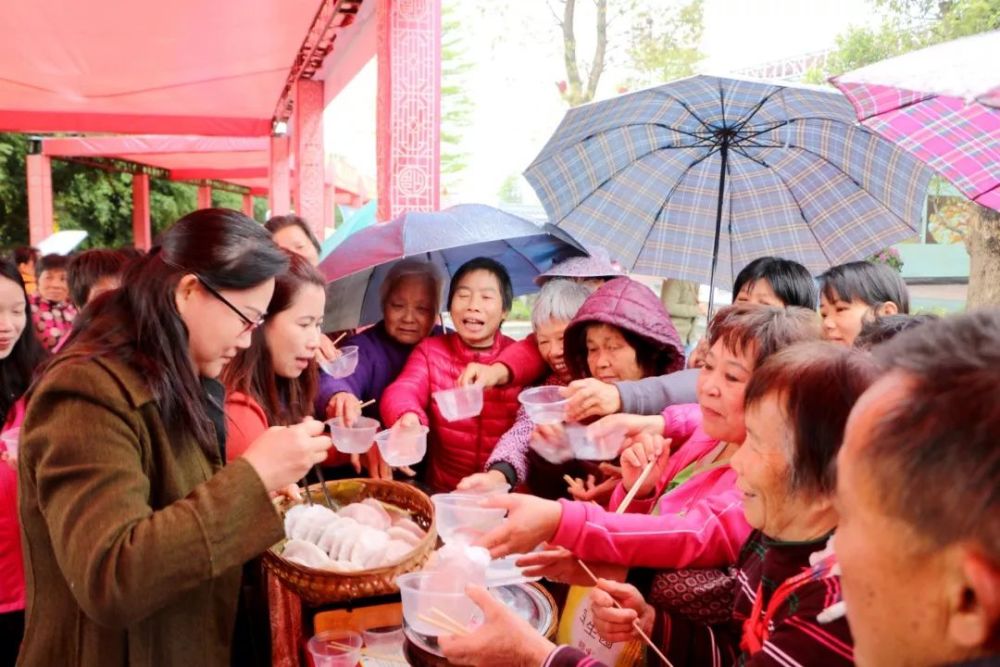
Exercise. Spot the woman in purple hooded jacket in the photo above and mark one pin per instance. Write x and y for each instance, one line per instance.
(621, 333)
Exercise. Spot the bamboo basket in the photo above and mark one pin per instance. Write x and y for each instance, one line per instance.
(324, 586)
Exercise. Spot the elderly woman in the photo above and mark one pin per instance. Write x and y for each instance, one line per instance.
(410, 296)
(557, 304)
(687, 514)
(796, 409)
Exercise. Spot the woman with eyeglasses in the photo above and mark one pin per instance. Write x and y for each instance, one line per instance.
(135, 529)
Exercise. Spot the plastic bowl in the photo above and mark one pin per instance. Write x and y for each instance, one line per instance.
(355, 439)
(553, 452)
(329, 649)
(423, 592)
(498, 490)
(402, 447)
(460, 518)
(386, 640)
(11, 438)
(544, 405)
(588, 447)
(343, 365)
(460, 403)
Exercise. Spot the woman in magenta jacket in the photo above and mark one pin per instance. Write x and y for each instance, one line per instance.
(479, 299)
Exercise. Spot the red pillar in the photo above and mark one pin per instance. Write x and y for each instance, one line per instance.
(279, 190)
(310, 159)
(142, 233)
(204, 196)
(408, 112)
(40, 216)
(248, 205)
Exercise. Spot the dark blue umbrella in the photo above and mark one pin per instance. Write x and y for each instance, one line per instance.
(356, 268)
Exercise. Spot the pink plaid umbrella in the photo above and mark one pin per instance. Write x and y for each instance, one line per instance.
(942, 104)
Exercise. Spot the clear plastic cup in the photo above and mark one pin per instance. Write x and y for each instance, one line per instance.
(335, 648)
(354, 439)
(11, 438)
(386, 641)
(553, 452)
(402, 446)
(460, 403)
(544, 405)
(343, 365)
(489, 491)
(425, 599)
(588, 446)
(460, 518)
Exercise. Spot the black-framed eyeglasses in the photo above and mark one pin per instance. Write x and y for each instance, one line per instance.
(250, 325)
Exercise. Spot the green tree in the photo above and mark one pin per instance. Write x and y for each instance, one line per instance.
(663, 45)
(914, 24)
(510, 190)
(94, 200)
(456, 105)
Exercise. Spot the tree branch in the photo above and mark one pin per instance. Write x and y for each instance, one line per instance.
(554, 14)
(569, 46)
(597, 67)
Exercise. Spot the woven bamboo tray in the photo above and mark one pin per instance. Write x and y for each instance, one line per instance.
(325, 587)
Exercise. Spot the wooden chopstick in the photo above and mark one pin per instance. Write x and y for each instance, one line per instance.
(635, 623)
(366, 404)
(450, 621)
(368, 653)
(635, 487)
(322, 482)
(569, 480)
(441, 626)
(340, 338)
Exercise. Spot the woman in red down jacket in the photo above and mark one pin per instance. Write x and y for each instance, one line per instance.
(479, 298)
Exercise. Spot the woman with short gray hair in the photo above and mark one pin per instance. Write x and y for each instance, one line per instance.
(557, 304)
(411, 297)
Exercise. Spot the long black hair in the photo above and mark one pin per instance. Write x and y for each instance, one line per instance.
(284, 401)
(140, 323)
(17, 369)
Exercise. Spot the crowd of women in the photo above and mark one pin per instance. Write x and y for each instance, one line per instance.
(820, 448)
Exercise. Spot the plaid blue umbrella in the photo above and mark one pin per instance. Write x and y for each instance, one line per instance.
(357, 267)
(696, 178)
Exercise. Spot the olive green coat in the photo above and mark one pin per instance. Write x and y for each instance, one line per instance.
(132, 542)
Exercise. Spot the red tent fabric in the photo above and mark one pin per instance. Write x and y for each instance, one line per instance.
(180, 67)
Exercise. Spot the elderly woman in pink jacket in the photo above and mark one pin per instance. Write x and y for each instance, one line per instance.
(688, 514)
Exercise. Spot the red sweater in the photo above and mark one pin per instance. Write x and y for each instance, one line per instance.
(11, 562)
(460, 448)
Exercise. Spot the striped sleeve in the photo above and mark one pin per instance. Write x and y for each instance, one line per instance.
(799, 640)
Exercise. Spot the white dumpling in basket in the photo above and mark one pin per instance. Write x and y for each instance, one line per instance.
(332, 531)
(369, 548)
(366, 514)
(396, 550)
(344, 544)
(319, 523)
(307, 554)
(305, 522)
(411, 526)
(292, 518)
(380, 508)
(399, 534)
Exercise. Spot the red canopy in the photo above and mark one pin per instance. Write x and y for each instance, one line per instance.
(180, 67)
